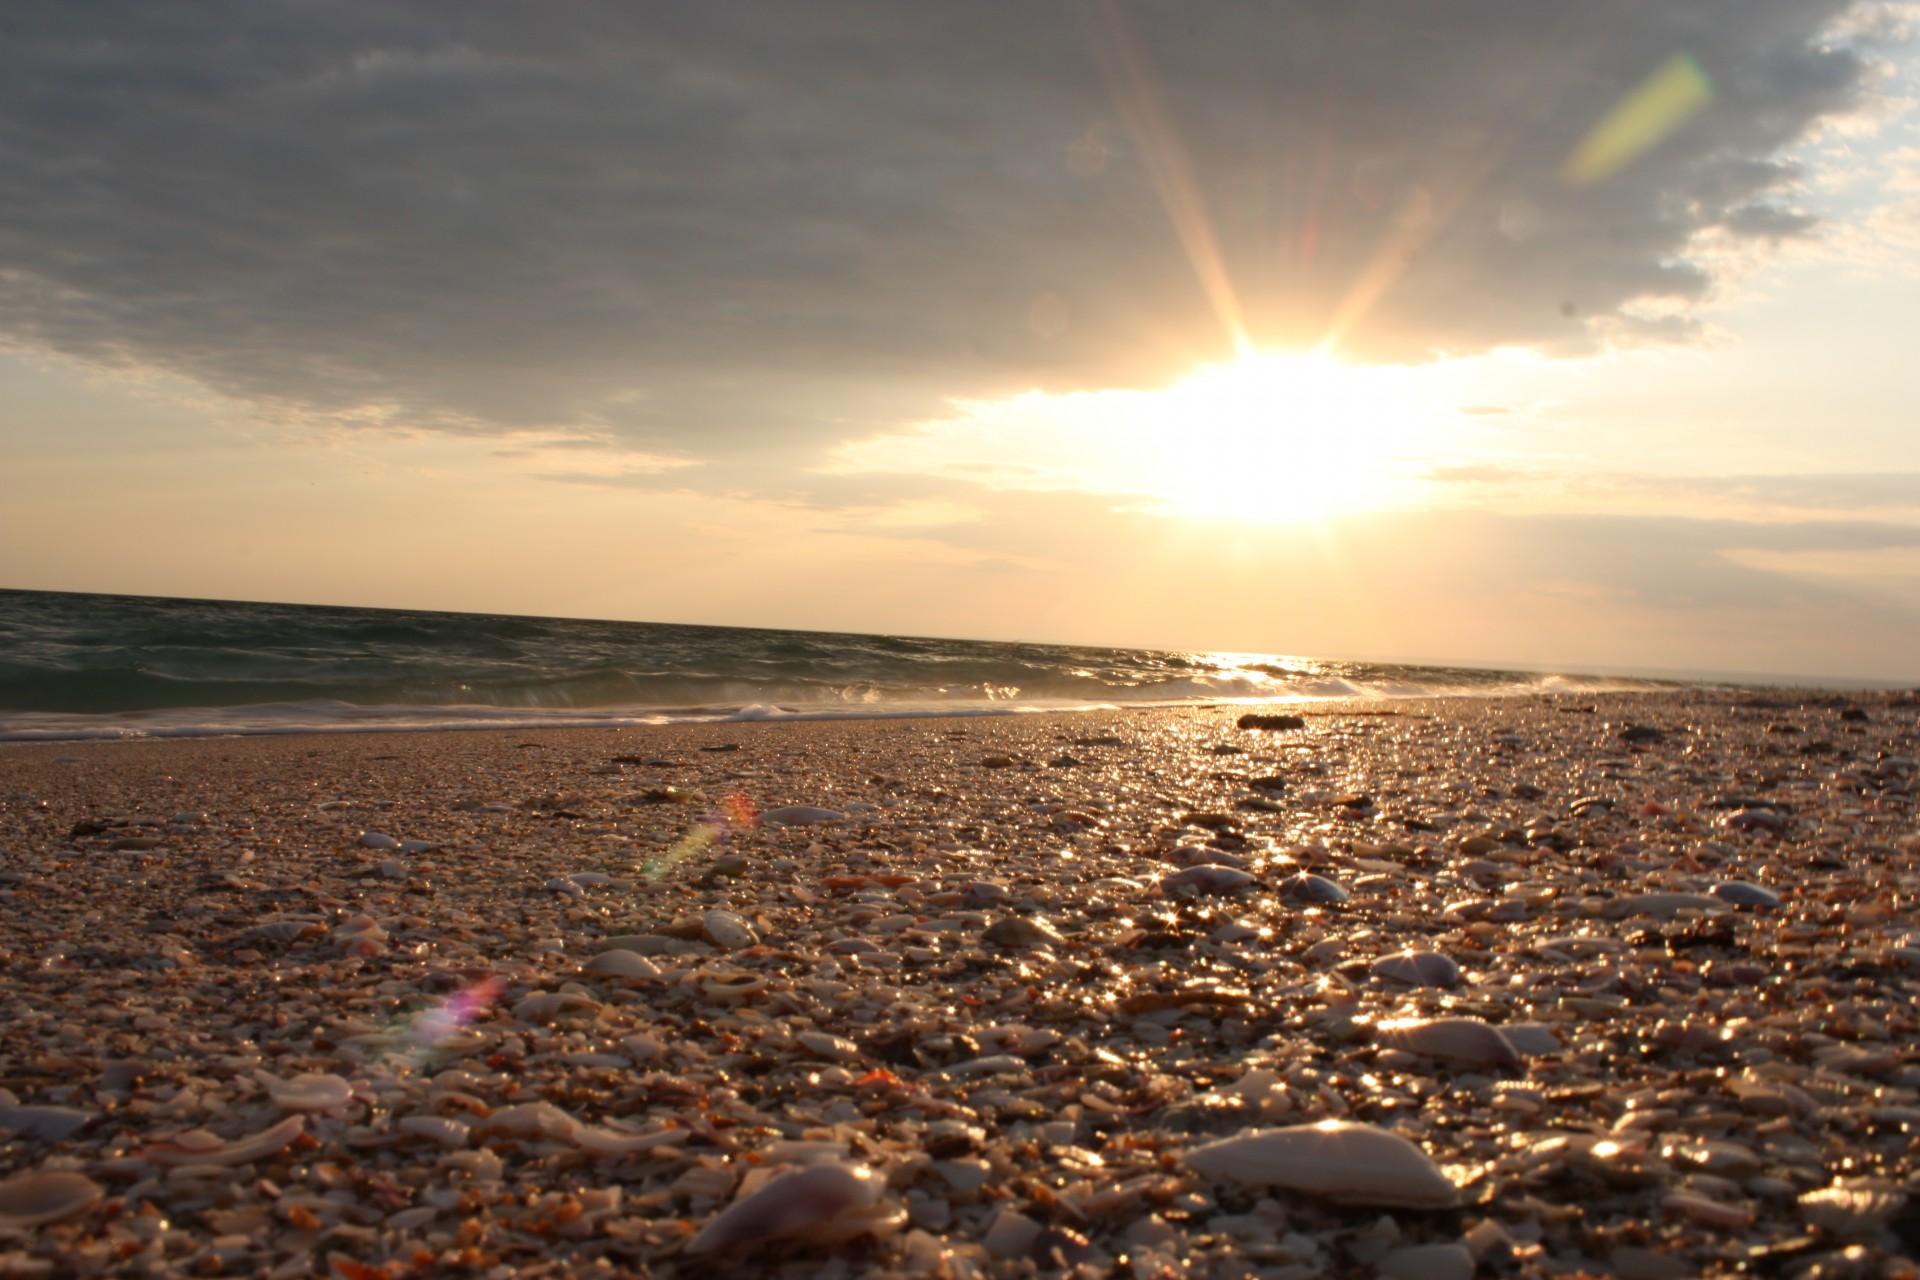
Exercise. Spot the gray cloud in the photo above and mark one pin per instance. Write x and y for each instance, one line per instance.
(757, 227)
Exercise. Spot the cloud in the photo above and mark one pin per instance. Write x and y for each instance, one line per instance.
(758, 228)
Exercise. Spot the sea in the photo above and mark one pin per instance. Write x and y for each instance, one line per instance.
(85, 666)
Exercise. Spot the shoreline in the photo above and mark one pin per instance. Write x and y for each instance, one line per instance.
(627, 971)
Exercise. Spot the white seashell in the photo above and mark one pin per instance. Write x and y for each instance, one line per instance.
(450, 1133)
(614, 1143)
(1418, 968)
(623, 964)
(1343, 1160)
(1458, 1039)
(1208, 877)
(728, 930)
(312, 1091)
(47, 1124)
(201, 1147)
(801, 815)
(35, 1199)
(1661, 906)
(1858, 1207)
(825, 1204)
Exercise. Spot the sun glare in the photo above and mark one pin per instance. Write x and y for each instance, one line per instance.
(1269, 438)
(1282, 438)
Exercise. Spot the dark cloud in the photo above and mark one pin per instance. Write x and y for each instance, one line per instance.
(721, 229)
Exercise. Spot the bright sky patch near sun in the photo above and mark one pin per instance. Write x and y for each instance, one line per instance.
(855, 316)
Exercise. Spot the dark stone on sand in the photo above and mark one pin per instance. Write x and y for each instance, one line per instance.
(1642, 733)
(723, 746)
(1271, 722)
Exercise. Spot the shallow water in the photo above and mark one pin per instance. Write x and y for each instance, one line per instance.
(78, 666)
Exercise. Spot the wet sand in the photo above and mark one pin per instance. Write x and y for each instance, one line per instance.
(546, 1004)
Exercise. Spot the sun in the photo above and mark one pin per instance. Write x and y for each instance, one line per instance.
(1281, 438)
(1271, 438)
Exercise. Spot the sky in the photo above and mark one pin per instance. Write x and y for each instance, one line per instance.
(1515, 331)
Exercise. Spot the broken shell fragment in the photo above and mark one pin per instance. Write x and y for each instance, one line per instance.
(34, 1199)
(824, 1204)
(201, 1147)
(311, 1091)
(1661, 906)
(1343, 1160)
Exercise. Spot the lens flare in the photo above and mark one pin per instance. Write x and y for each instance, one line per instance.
(1660, 104)
(736, 812)
(435, 1025)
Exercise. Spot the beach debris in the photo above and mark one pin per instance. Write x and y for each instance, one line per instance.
(821, 1204)
(1341, 1159)
(50, 1195)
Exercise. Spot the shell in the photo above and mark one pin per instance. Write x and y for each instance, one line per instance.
(1307, 887)
(1021, 932)
(34, 1199)
(801, 815)
(444, 1130)
(614, 1143)
(729, 930)
(623, 964)
(1428, 1262)
(312, 1091)
(1208, 877)
(1418, 968)
(1459, 1039)
(1743, 893)
(1856, 1208)
(529, 1120)
(201, 1147)
(48, 1124)
(1662, 906)
(824, 1204)
(1345, 1161)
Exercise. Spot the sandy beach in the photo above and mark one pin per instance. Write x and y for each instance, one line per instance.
(1609, 985)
